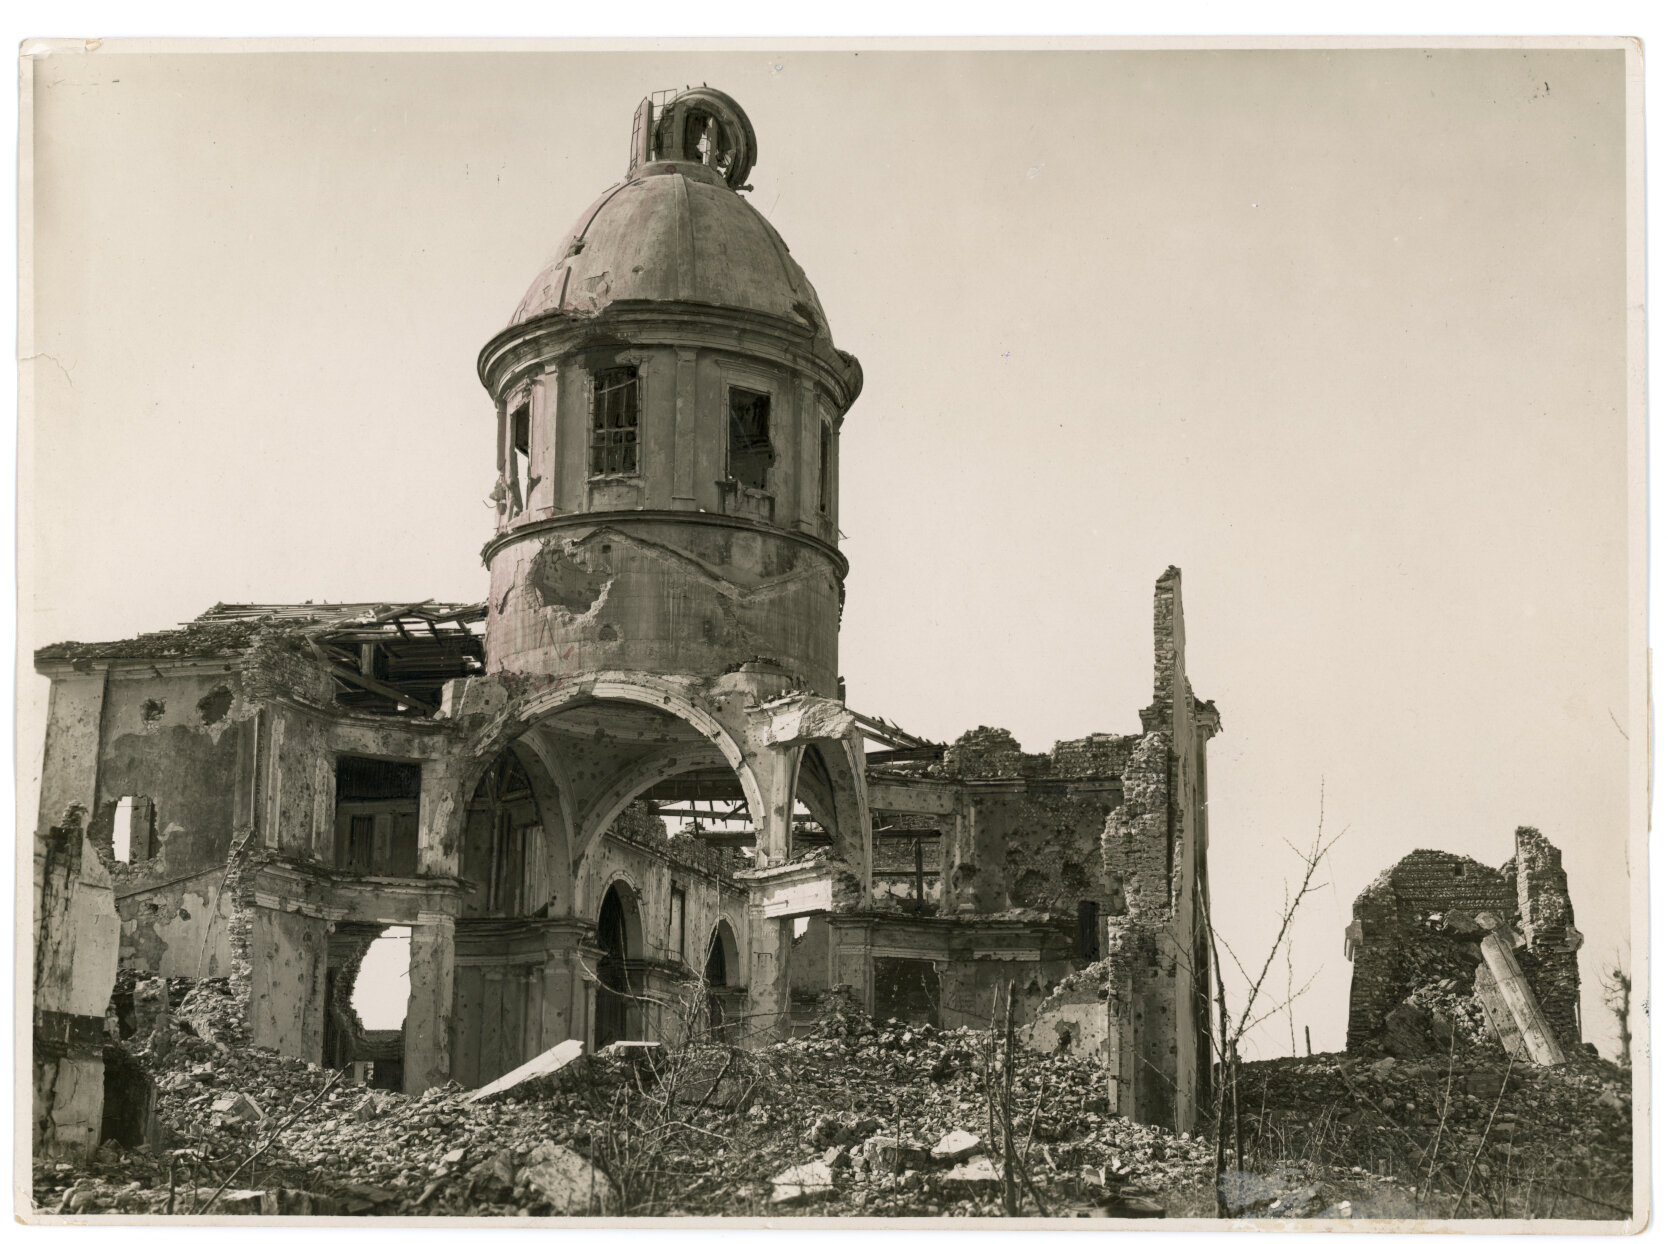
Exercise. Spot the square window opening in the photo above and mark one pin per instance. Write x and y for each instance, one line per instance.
(614, 412)
(751, 455)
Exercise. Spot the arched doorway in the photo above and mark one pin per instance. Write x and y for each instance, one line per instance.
(722, 976)
(617, 936)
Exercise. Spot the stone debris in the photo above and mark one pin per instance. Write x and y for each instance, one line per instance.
(798, 1183)
(569, 1184)
(956, 1146)
(883, 1137)
(979, 1170)
(239, 1108)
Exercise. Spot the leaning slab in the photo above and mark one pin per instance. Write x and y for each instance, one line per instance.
(556, 1057)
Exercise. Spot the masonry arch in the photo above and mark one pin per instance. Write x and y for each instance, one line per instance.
(830, 785)
(722, 979)
(620, 940)
(513, 852)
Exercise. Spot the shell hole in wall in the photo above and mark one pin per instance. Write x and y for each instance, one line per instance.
(382, 994)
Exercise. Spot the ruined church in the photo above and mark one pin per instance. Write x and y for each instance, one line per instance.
(625, 793)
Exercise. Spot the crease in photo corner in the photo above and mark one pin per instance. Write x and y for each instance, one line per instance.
(146, 723)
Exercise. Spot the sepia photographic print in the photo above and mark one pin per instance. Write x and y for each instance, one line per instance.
(602, 633)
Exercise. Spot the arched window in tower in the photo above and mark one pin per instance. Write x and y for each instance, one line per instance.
(751, 455)
(614, 407)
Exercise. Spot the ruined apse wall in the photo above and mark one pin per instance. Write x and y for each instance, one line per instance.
(1396, 946)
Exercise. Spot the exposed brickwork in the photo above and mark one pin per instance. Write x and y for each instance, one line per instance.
(1400, 947)
(1549, 933)
(1137, 846)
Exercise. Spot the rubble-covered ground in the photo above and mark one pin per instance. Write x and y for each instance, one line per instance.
(858, 1118)
(1471, 1134)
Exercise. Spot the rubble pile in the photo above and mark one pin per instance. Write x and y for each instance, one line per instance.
(1509, 1138)
(857, 1117)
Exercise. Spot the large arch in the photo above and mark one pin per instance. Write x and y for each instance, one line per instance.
(663, 696)
(520, 727)
(630, 783)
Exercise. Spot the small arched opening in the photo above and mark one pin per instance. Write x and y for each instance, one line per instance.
(620, 937)
(722, 978)
(504, 849)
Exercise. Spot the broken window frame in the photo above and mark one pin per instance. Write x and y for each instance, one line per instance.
(616, 422)
(755, 442)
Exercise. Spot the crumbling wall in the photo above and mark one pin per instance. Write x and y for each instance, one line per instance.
(1415, 946)
(1549, 933)
(1037, 823)
(1393, 944)
(76, 939)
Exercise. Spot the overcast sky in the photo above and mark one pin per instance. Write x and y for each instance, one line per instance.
(1341, 334)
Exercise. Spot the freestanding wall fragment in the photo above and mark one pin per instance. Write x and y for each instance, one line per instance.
(76, 940)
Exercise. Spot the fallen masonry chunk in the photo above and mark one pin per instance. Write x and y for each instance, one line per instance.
(356, 1198)
(571, 1184)
(801, 1183)
(979, 1171)
(287, 1201)
(494, 1175)
(891, 1154)
(557, 1056)
(955, 1146)
(628, 1049)
(238, 1106)
(1134, 1207)
(242, 1201)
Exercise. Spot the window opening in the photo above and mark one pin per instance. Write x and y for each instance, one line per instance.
(122, 831)
(521, 478)
(376, 816)
(614, 422)
(1088, 930)
(750, 453)
(824, 453)
(675, 940)
(133, 831)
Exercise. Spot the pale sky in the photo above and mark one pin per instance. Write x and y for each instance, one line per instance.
(1341, 334)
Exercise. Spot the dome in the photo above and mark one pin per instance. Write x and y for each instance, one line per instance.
(673, 232)
(677, 229)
